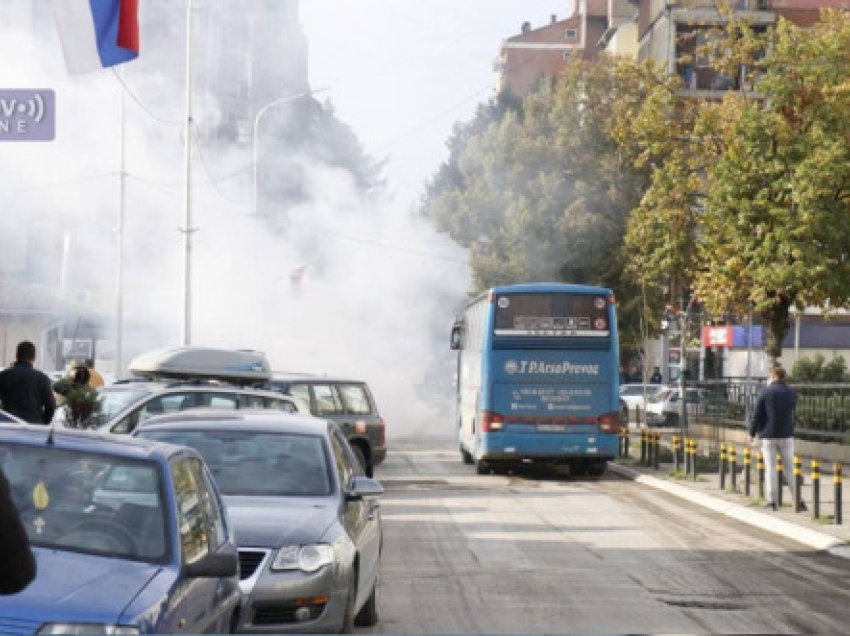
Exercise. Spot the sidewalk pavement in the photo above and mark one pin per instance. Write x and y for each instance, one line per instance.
(822, 534)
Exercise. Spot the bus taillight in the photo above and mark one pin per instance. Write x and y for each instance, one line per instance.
(491, 422)
(609, 422)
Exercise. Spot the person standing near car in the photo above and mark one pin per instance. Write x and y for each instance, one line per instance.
(95, 378)
(656, 376)
(773, 423)
(25, 391)
(17, 563)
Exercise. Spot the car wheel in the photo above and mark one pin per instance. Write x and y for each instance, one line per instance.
(482, 467)
(348, 617)
(671, 419)
(466, 456)
(368, 615)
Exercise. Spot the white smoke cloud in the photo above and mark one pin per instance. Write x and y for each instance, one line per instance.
(379, 286)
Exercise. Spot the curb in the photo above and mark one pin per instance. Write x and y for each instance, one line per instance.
(806, 536)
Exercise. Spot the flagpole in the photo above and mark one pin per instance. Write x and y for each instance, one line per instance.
(119, 264)
(187, 217)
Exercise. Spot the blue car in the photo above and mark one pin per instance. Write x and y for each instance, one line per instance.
(130, 536)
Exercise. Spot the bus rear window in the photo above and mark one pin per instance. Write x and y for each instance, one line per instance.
(552, 315)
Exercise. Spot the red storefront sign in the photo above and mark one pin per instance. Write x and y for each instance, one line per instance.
(717, 336)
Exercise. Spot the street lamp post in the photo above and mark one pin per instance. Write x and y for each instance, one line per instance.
(262, 111)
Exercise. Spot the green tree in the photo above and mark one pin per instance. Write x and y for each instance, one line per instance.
(542, 191)
(752, 208)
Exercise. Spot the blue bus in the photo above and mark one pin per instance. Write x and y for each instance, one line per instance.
(538, 377)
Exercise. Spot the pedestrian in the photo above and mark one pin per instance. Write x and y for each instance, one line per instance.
(25, 391)
(95, 378)
(17, 563)
(656, 376)
(773, 423)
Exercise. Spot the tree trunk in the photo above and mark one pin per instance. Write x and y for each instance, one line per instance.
(776, 320)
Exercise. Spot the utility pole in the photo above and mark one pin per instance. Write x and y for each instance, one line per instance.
(119, 229)
(187, 229)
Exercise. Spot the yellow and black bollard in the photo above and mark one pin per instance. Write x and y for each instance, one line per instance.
(748, 464)
(815, 489)
(780, 480)
(723, 467)
(676, 463)
(837, 479)
(643, 446)
(760, 468)
(694, 453)
(656, 454)
(733, 467)
(686, 451)
(798, 484)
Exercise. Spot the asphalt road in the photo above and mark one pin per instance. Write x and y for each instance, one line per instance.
(507, 554)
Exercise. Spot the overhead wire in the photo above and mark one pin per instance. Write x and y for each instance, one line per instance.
(140, 104)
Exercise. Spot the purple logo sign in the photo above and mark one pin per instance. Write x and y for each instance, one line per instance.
(27, 115)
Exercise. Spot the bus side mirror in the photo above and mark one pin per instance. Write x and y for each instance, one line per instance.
(457, 337)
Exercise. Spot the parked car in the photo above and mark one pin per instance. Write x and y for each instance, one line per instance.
(129, 536)
(306, 518)
(349, 403)
(633, 394)
(126, 404)
(663, 408)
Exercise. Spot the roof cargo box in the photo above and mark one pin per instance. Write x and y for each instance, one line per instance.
(186, 363)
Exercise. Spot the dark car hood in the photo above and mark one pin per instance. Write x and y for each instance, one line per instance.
(78, 587)
(270, 522)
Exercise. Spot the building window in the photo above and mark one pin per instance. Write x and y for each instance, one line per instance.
(570, 34)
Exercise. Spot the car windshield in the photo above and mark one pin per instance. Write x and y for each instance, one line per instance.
(116, 399)
(258, 463)
(87, 502)
(660, 396)
(635, 390)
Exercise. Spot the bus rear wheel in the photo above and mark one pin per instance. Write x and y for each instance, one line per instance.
(597, 468)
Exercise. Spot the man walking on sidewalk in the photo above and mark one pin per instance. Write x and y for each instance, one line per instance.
(773, 423)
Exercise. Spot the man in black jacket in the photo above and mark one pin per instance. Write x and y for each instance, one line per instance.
(25, 391)
(773, 423)
(17, 563)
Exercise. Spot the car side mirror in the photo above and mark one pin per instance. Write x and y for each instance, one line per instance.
(213, 565)
(363, 487)
(457, 337)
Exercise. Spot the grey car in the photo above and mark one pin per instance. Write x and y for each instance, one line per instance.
(347, 402)
(125, 404)
(306, 518)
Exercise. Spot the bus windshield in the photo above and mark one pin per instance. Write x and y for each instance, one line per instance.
(552, 315)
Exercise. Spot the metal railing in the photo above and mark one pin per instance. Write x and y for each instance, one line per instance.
(822, 413)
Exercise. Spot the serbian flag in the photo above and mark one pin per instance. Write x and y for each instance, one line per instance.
(96, 34)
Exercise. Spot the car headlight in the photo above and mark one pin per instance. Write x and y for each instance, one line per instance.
(307, 558)
(88, 628)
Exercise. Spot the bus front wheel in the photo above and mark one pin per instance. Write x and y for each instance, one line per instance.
(466, 456)
(482, 468)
